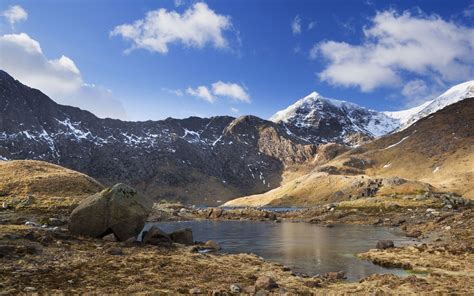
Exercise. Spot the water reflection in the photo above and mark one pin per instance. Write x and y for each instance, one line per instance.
(304, 247)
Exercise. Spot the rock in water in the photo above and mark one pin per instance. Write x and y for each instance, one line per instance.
(155, 236)
(385, 244)
(118, 210)
(183, 236)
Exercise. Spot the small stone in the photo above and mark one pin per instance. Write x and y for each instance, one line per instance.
(210, 244)
(115, 251)
(235, 288)
(385, 244)
(195, 291)
(55, 222)
(265, 283)
(29, 289)
(339, 275)
(110, 237)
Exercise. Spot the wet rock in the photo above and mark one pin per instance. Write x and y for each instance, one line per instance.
(182, 236)
(155, 236)
(335, 275)
(118, 209)
(210, 244)
(265, 283)
(385, 244)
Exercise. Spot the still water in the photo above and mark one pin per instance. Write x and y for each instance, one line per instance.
(306, 248)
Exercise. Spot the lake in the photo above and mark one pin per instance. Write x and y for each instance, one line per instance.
(304, 247)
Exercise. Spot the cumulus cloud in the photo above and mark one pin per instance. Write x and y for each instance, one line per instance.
(210, 94)
(296, 25)
(196, 27)
(201, 92)
(15, 14)
(311, 25)
(394, 44)
(231, 90)
(22, 57)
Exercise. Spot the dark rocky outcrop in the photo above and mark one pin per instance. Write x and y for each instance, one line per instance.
(193, 160)
(385, 244)
(119, 210)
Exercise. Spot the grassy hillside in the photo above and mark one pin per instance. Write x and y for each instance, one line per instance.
(40, 184)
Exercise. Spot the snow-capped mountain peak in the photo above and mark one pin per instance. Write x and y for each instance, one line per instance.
(317, 119)
(453, 95)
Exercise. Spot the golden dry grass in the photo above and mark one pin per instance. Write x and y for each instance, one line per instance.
(49, 184)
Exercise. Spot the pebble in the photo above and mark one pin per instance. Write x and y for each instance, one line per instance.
(235, 288)
(29, 289)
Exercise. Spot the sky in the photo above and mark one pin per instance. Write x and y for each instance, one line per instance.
(149, 60)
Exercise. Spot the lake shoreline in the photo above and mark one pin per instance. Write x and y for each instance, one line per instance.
(51, 260)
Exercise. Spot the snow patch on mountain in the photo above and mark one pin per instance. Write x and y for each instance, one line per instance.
(453, 95)
(314, 113)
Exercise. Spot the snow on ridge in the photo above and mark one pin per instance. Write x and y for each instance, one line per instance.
(376, 123)
(453, 95)
(291, 111)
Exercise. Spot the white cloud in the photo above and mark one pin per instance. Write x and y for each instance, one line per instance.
(394, 44)
(234, 110)
(176, 92)
(311, 25)
(231, 90)
(196, 27)
(296, 25)
(469, 11)
(415, 87)
(22, 57)
(201, 92)
(15, 14)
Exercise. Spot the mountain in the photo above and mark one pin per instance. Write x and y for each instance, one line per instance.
(436, 153)
(316, 119)
(196, 160)
(454, 94)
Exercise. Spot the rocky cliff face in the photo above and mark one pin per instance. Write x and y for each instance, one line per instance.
(199, 160)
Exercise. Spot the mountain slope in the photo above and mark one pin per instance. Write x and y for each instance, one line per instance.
(453, 95)
(198, 160)
(435, 151)
(48, 184)
(316, 119)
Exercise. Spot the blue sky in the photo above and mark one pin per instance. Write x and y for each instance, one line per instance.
(235, 57)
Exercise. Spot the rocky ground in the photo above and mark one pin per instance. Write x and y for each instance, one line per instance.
(48, 259)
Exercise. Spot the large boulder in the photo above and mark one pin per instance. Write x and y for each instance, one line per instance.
(119, 210)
